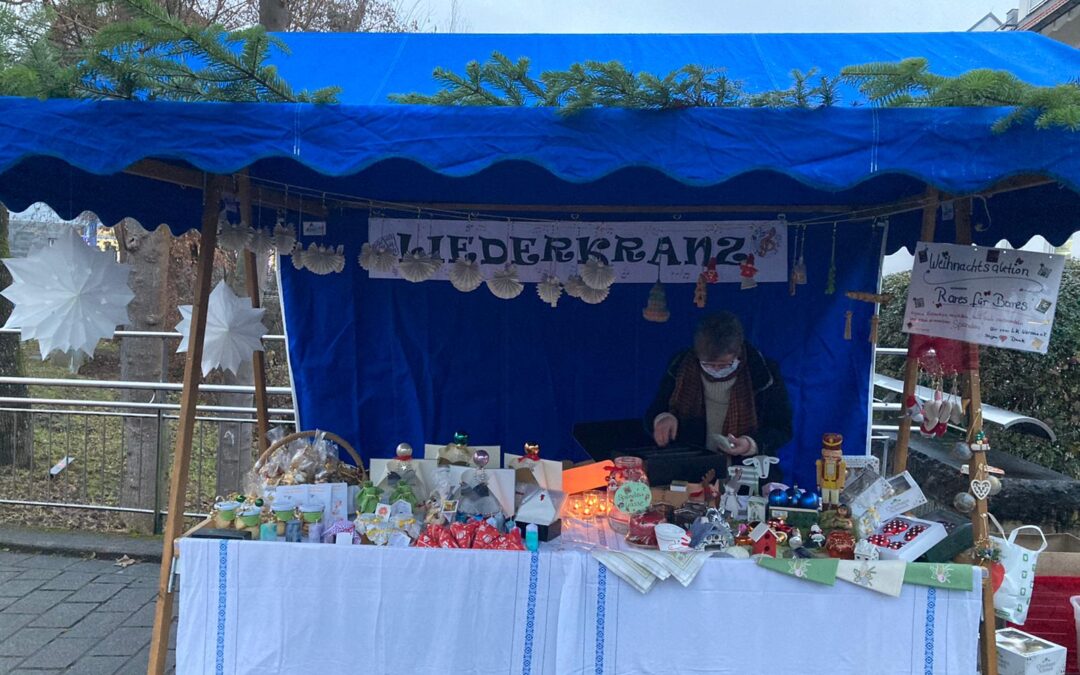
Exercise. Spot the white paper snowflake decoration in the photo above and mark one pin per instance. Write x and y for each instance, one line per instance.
(261, 242)
(505, 284)
(323, 259)
(465, 274)
(549, 289)
(234, 330)
(597, 274)
(574, 286)
(67, 296)
(377, 257)
(284, 238)
(417, 266)
(233, 236)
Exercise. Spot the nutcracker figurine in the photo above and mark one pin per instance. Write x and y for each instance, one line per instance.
(831, 470)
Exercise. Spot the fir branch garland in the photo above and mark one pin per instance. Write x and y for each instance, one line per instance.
(903, 84)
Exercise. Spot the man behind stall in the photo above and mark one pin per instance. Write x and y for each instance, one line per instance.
(722, 394)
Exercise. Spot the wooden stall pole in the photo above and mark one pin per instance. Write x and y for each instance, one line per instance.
(911, 366)
(251, 274)
(977, 466)
(178, 480)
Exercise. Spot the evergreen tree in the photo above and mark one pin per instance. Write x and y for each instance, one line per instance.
(151, 55)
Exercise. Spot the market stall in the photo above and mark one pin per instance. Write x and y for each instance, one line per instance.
(381, 361)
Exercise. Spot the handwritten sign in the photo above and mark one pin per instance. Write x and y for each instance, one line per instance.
(680, 249)
(633, 497)
(988, 296)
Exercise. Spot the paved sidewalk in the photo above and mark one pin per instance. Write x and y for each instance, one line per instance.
(64, 614)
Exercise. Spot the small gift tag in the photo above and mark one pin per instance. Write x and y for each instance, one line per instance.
(383, 511)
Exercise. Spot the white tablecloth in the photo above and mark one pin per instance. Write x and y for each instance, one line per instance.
(260, 607)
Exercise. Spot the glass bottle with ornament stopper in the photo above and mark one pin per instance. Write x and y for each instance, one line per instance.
(627, 469)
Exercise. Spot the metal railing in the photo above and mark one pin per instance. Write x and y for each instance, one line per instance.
(81, 461)
(103, 473)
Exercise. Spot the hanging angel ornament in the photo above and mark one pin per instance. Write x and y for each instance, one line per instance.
(465, 274)
(284, 237)
(597, 274)
(234, 330)
(505, 284)
(320, 259)
(549, 289)
(232, 236)
(574, 286)
(593, 296)
(67, 296)
(261, 242)
(377, 257)
(417, 266)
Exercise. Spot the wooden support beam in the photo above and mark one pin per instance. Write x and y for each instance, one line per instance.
(911, 366)
(977, 470)
(193, 178)
(178, 480)
(251, 277)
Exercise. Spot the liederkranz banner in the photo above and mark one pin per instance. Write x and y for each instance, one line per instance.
(989, 296)
(680, 249)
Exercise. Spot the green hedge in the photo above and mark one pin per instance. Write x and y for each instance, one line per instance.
(1045, 387)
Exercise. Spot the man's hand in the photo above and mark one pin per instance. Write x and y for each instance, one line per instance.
(743, 446)
(665, 429)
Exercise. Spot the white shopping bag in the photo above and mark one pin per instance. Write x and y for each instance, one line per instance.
(1013, 598)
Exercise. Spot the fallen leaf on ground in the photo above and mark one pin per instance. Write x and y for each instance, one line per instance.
(125, 562)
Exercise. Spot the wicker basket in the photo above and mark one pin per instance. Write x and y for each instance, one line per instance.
(304, 434)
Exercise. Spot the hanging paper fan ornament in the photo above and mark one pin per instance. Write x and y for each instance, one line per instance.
(418, 266)
(233, 236)
(593, 296)
(657, 310)
(465, 274)
(549, 289)
(284, 238)
(597, 274)
(377, 258)
(298, 254)
(234, 330)
(574, 286)
(505, 284)
(67, 296)
(323, 260)
(261, 243)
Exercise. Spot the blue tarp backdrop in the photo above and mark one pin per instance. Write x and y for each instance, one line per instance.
(383, 361)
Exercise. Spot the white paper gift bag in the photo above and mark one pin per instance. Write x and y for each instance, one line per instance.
(1013, 599)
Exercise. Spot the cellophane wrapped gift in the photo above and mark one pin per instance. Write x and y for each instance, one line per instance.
(301, 462)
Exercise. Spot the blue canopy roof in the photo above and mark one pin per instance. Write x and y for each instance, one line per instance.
(71, 153)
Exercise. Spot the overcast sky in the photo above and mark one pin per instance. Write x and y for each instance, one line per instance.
(716, 16)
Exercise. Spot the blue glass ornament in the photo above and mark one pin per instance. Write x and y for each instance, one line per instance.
(793, 495)
(809, 500)
(778, 498)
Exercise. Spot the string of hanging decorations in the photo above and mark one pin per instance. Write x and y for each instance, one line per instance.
(591, 283)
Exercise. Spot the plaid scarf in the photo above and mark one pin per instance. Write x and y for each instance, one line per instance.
(688, 398)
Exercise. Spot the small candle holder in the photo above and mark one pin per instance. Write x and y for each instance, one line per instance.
(577, 506)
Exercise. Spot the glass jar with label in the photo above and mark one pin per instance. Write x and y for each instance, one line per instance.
(627, 469)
